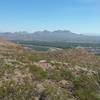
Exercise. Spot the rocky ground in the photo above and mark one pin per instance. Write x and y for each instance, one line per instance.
(72, 74)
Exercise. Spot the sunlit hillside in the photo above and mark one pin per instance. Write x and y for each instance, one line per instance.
(71, 74)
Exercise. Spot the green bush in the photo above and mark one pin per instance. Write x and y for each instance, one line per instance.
(86, 88)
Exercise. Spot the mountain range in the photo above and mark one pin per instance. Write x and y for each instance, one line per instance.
(50, 36)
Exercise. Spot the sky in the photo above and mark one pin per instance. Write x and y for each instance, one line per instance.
(79, 16)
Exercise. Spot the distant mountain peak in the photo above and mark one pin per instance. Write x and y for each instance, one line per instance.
(62, 31)
(49, 36)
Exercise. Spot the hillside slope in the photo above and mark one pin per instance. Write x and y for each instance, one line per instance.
(72, 74)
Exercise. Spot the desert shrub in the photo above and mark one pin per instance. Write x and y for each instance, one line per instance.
(60, 74)
(67, 74)
(37, 72)
(55, 75)
(54, 93)
(86, 88)
(13, 91)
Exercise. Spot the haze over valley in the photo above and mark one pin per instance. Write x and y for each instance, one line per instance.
(47, 40)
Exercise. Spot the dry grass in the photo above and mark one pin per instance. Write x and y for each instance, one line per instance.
(58, 75)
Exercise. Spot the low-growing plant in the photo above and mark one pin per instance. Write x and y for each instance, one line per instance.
(37, 72)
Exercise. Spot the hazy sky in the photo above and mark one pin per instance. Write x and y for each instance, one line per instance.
(82, 16)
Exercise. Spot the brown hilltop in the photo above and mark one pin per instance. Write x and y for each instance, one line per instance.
(7, 44)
